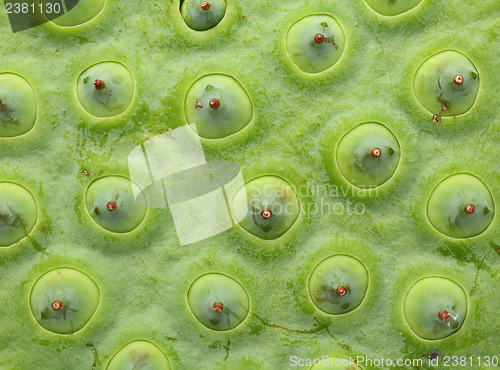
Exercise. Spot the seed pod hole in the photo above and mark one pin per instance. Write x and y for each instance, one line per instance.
(218, 105)
(18, 213)
(17, 105)
(447, 84)
(202, 15)
(218, 301)
(368, 155)
(105, 89)
(64, 300)
(267, 206)
(124, 213)
(139, 354)
(81, 12)
(435, 308)
(338, 284)
(392, 7)
(315, 43)
(452, 206)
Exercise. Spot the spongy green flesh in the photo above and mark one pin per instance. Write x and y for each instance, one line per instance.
(144, 276)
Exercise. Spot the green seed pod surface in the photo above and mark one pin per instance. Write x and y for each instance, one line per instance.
(461, 206)
(18, 213)
(84, 11)
(17, 105)
(201, 15)
(111, 204)
(315, 43)
(64, 300)
(338, 284)
(447, 84)
(139, 354)
(218, 301)
(267, 206)
(110, 98)
(435, 308)
(334, 363)
(368, 155)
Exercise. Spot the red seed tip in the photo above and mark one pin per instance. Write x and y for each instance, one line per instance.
(99, 84)
(214, 103)
(111, 206)
(85, 173)
(205, 5)
(266, 214)
(319, 38)
(218, 307)
(469, 208)
(341, 291)
(376, 152)
(444, 316)
(56, 305)
(458, 80)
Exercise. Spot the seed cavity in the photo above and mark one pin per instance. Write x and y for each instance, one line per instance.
(99, 84)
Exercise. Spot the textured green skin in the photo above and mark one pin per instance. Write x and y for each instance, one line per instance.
(144, 276)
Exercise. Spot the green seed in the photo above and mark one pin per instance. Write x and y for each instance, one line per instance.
(64, 300)
(18, 213)
(218, 105)
(338, 284)
(461, 206)
(218, 301)
(111, 204)
(200, 17)
(435, 308)
(82, 12)
(267, 206)
(139, 354)
(315, 43)
(447, 84)
(17, 105)
(335, 363)
(368, 155)
(116, 95)
(392, 7)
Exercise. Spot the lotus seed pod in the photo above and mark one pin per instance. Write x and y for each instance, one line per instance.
(18, 213)
(80, 13)
(338, 284)
(201, 15)
(267, 206)
(17, 105)
(368, 155)
(139, 354)
(64, 300)
(392, 7)
(335, 363)
(435, 308)
(461, 206)
(105, 89)
(111, 204)
(218, 105)
(315, 43)
(218, 301)
(447, 84)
